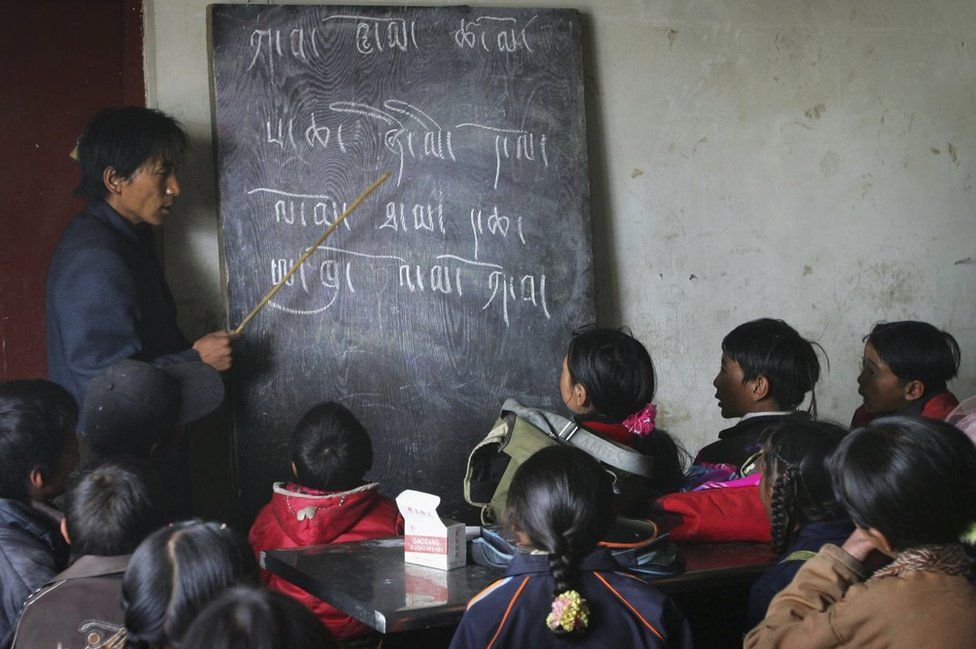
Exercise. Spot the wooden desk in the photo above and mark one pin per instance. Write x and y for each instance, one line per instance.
(369, 580)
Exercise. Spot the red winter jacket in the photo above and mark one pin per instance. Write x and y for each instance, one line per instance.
(298, 517)
(938, 406)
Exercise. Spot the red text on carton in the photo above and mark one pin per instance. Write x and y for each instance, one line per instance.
(429, 540)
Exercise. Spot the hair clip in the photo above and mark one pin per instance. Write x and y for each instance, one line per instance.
(570, 612)
(641, 423)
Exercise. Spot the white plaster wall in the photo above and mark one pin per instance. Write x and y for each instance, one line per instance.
(812, 161)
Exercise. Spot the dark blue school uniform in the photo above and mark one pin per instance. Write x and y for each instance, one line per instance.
(625, 611)
(810, 538)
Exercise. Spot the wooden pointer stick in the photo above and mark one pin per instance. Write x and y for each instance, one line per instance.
(277, 287)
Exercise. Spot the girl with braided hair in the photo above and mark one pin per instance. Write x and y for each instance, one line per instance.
(562, 589)
(796, 492)
(908, 485)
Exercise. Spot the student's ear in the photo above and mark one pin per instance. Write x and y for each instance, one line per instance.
(38, 478)
(913, 390)
(880, 541)
(112, 179)
(580, 397)
(760, 388)
(64, 531)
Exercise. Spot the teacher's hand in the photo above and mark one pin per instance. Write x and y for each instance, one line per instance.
(215, 349)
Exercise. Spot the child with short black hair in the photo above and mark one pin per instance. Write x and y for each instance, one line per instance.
(608, 382)
(767, 370)
(254, 618)
(796, 491)
(907, 483)
(38, 450)
(562, 589)
(109, 510)
(330, 502)
(905, 370)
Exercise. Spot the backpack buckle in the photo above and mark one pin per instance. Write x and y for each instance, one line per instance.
(566, 436)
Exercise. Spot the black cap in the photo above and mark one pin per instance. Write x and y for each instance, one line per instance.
(133, 405)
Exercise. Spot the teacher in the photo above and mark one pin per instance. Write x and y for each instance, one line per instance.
(107, 298)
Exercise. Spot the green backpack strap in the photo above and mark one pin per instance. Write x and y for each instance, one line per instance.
(799, 555)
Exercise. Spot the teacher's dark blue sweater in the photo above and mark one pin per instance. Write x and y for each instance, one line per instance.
(107, 299)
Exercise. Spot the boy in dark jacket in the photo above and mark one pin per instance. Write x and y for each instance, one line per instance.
(108, 512)
(767, 369)
(38, 450)
(330, 502)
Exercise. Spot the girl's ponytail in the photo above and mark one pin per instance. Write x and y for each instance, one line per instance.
(781, 505)
(561, 501)
(570, 612)
(800, 490)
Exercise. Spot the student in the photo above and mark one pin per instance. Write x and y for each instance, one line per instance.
(607, 381)
(134, 408)
(38, 450)
(905, 369)
(173, 575)
(767, 369)
(109, 510)
(796, 492)
(329, 502)
(563, 590)
(907, 483)
(137, 409)
(252, 618)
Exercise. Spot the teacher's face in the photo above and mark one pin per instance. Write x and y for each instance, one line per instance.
(148, 196)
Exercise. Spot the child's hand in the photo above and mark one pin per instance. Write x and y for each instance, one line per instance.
(859, 545)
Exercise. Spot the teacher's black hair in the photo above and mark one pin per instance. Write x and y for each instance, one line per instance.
(772, 348)
(252, 618)
(125, 139)
(37, 420)
(174, 574)
(331, 450)
(917, 351)
(561, 499)
(909, 478)
(614, 367)
(112, 507)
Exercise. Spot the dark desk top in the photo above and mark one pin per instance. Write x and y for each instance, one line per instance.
(369, 580)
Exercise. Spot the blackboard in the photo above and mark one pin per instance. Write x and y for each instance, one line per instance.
(458, 283)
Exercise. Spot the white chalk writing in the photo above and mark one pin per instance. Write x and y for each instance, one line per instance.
(513, 144)
(304, 209)
(493, 33)
(269, 44)
(497, 224)
(425, 217)
(375, 35)
(503, 286)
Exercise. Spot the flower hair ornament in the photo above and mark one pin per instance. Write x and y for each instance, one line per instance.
(570, 613)
(641, 423)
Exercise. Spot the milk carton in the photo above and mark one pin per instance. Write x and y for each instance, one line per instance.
(430, 540)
